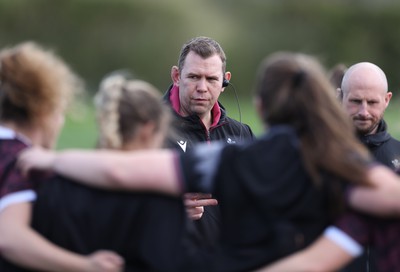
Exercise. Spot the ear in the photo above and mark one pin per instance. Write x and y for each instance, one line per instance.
(227, 76)
(388, 96)
(339, 94)
(175, 75)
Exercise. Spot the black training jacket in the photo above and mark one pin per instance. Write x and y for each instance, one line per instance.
(383, 146)
(189, 131)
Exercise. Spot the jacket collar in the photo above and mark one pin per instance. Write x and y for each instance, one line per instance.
(172, 98)
(381, 136)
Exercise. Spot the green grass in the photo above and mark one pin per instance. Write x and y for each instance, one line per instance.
(80, 128)
(392, 115)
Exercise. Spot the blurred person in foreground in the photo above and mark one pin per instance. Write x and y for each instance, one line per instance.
(146, 229)
(35, 87)
(364, 96)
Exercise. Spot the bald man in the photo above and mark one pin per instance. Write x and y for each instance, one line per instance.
(365, 97)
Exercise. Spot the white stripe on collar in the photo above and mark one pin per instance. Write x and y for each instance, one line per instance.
(9, 134)
(6, 133)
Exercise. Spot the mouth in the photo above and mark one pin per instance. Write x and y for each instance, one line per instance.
(200, 100)
(362, 121)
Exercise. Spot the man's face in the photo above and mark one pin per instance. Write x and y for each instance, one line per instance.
(365, 102)
(200, 84)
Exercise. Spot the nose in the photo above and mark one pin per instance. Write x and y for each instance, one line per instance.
(202, 85)
(363, 110)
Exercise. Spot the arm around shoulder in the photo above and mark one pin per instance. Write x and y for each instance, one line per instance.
(384, 193)
(23, 246)
(322, 256)
(114, 170)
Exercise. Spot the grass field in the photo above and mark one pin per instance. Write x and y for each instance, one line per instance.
(80, 128)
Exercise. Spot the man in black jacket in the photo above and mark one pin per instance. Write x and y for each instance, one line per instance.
(365, 97)
(198, 81)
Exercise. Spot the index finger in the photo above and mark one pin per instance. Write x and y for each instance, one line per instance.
(197, 196)
(201, 202)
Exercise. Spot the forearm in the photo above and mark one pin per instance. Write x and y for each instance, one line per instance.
(298, 262)
(385, 194)
(31, 251)
(323, 255)
(24, 247)
(149, 171)
(94, 168)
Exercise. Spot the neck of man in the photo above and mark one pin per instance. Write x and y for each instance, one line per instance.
(206, 118)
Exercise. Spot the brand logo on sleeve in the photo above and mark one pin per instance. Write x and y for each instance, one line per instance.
(182, 144)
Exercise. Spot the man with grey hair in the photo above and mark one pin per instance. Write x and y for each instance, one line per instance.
(365, 97)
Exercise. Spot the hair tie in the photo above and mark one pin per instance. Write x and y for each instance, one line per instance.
(298, 78)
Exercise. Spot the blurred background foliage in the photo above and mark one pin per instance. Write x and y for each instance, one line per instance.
(145, 36)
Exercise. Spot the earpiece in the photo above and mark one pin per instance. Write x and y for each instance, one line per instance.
(225, 83)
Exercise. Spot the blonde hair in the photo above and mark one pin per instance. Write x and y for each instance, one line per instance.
(123, 105)
(34, 83)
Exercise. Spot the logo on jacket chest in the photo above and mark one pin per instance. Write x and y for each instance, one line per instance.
(396, 164)
(182, 144)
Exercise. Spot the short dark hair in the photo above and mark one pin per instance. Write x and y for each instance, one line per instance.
(204, 47)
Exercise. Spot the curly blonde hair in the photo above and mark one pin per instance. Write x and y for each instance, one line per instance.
(34, 83)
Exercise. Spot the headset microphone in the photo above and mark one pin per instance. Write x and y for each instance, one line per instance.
(225, 83)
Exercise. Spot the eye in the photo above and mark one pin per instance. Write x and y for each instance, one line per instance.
(355, 101)
(192, 76)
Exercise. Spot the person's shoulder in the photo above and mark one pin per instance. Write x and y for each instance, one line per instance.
(394, 140)
(234, 121)
(238, 124)
(281, 135)
(10, 148)
(393, 144)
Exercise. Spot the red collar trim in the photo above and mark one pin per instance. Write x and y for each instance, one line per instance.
(175, 102)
